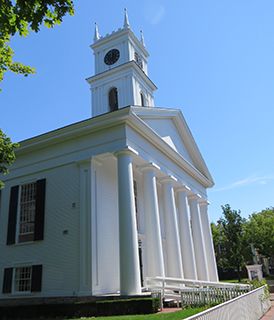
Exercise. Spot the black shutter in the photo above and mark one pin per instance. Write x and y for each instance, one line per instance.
(7, 282)
(40, 209)
(12, 214)
(36, 278)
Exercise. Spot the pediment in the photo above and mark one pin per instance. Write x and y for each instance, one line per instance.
(171, 126)
(167, 130)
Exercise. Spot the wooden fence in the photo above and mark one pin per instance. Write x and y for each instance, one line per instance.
(209, 296)
(249, 306)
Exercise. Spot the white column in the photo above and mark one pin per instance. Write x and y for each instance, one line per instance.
(174, 266)
(198, 238)
(154, 249)
(187, 249)
(85, 228)
(210, 254)
(130, 282)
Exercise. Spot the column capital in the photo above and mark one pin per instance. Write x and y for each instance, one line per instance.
(203, 202)
(127, 150)
(183, 188)
(149, 166)
(168, 179)
(84, 163)
(194, 196)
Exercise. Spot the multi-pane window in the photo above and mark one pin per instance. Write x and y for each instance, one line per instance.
(27, 211)
(22, 281)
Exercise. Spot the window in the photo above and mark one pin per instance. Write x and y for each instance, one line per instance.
(26, 212)
(113, 99)
(142, 99)
(138, 60)
(23, 279)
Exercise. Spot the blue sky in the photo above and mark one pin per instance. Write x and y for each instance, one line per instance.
(212, 59)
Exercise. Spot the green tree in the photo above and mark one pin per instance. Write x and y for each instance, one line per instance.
(260, 231)
(21, 17)
(217, 240)
(233, 246)
(7, 155)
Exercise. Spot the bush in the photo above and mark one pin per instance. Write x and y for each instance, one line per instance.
(127, 306)
(82, 309)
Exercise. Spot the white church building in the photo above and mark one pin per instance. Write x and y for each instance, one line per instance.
(98, 206)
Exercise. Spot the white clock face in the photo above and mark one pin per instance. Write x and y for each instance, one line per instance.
(112, 56)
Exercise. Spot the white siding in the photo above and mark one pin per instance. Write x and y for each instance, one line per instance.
(58, 252)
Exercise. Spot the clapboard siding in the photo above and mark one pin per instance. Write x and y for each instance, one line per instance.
(58, 252)
(76, 149)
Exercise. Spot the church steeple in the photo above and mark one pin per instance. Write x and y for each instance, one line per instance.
(126, 21)
(142, 38)
(121, 74)
(96, 33)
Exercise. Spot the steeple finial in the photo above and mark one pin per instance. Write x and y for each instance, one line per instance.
(96, 33)
(142, 38)
(126, 22)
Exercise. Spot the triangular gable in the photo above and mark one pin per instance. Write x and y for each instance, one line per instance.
(167, 130)
(171, 126)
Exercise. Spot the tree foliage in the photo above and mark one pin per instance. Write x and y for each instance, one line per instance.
(234, 236)
(7, 155)
(230, 241)
(260, 231)
(21, 17)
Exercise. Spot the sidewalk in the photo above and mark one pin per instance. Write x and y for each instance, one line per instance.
(270, 314)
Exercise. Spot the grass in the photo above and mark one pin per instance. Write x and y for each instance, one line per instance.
(178, 315)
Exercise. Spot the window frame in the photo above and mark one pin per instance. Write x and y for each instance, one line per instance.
(29, 237)
(14, 284)
(116, 95)
(14, 214)
(143, 99)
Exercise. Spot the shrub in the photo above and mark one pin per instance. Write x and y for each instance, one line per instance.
(82, 308)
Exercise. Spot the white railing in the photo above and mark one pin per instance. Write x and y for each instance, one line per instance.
(249, 306)
(209, 296)
(171, 288)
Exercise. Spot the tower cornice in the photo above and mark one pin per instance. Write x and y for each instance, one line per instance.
(117, 34)
(128, 65)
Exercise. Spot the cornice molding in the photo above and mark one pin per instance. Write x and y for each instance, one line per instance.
(130, 65)
(122, 32)
(112, 119)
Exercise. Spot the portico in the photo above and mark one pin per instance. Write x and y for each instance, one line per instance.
(168, 216)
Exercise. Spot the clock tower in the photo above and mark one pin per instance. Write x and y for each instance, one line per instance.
(121, 76)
